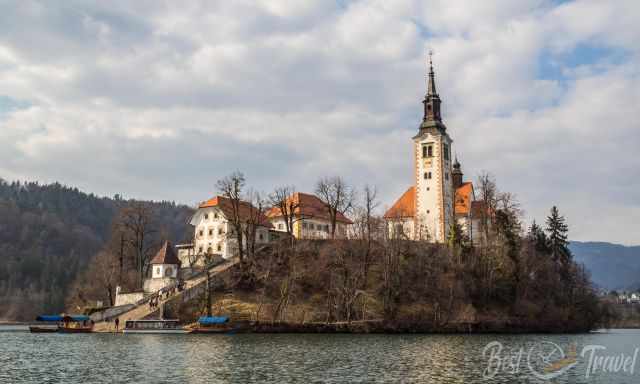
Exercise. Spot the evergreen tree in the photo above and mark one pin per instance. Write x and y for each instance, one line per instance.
(558, 243)
(457, 237)
(539, 238)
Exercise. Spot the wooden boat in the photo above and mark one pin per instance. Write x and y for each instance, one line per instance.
(49, 324)
(213, 324)
(75, 324)
(63, 324)
(43, 328)
(159, 326)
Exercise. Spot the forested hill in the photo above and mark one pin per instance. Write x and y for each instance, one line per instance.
(612, 266)
(48, 234)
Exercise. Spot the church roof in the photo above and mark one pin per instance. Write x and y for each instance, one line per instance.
(246, 209)
(308, 206)
(166, 255)
(405, 206)
(464, 198)
(479, 208)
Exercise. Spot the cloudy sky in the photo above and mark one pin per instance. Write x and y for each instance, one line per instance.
(158, 100)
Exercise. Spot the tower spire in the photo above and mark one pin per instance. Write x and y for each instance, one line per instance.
(431, 100)
(456, 174)
(431, 86)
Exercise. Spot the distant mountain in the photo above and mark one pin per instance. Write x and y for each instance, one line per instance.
(49, 233)
(612, 266)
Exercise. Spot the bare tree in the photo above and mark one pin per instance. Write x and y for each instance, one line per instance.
(282, 199)
(255, 207)
(231, 187)
(98, 281)
(489, 199)
(391, 278)
(337, 196)
(138, 227)
(367, 227)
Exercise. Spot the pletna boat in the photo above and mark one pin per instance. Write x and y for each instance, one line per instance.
(213, 324)
(62, 324)
(48, 324)
(159, 326)
(75, 324)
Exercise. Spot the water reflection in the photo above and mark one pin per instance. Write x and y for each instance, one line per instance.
(105, 358)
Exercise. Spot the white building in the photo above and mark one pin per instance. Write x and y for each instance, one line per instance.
(165, 267)
(427, 210)
(214, 233)
(311, 218)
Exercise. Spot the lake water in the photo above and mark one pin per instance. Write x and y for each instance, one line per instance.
(262, 358)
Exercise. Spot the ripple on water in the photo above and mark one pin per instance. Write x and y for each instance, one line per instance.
(107, 358)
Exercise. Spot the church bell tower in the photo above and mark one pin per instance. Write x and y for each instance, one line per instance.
(433, 169)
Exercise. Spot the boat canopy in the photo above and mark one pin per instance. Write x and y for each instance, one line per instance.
(210, 320)
(77, 318)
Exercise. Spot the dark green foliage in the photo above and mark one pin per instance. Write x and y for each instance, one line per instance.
(48, 233)
(539, 238)
(558, 243)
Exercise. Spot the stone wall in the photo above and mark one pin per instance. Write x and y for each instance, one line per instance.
(110, 313)
(128, 298)
(156, 284)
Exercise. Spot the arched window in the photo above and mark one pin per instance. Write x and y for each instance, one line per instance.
(168, 272)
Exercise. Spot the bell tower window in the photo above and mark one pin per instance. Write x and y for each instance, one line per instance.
(427, 150)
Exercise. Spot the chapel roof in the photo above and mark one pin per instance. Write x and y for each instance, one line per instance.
(404, 207)
(166, 255)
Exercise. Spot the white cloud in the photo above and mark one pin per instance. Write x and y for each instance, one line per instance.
(159, 100)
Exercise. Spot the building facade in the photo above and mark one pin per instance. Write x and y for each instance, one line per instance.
(311, 218)
(214, 234)
(165, 266)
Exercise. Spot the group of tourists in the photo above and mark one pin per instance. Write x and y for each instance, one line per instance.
(163, 294)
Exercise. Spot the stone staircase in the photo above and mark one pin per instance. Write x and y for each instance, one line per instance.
(191, 288)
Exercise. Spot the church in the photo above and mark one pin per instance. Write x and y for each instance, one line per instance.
(439, 196)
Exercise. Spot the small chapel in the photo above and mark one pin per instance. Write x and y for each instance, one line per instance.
(439, 196)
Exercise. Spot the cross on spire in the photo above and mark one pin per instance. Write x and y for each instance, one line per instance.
(431, 86)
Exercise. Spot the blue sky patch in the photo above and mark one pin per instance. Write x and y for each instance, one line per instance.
(8, 104)
(552, 65)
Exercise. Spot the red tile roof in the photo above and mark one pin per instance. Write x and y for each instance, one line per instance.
(464, 198)
(477, 208)
(165, 255)
(405, 206)
(246, 210)
(308, 206)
